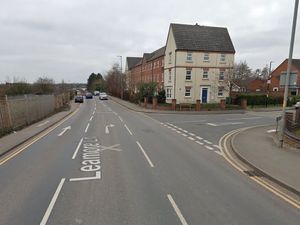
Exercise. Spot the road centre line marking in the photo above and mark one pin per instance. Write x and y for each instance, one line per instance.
(188, 121)
(91, 118)
(177, 210)
(94, 112)
(120, 118)
(217, 146)
(145, 154)
(200, 138)
(128, 129)
(115, 113)
(191, 134)
(35, 139)
(184, 135)
(211, 124)
(200, 143)
(77, 148)
(208, 147)
(179, 132)
(87, 127)
(185, 131)
(53, 200)
(193, 139)
(220, 153)
(208, 142)
(245, 118)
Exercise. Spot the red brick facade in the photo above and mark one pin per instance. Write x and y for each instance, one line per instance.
(148, 69)
(274, 86)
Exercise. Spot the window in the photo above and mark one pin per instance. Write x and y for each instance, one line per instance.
(170, 57)
(275, 88)
(189, 56)
(170, 76)
(206, 57)
(169, 93)
(205, 74)
(188, 75)
(221, 76)
(222, 58)
(220, 91)
(187, 92)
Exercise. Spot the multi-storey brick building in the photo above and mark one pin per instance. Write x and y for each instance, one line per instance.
(149, 68)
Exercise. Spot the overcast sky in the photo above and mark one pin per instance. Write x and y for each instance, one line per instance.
(70, 39)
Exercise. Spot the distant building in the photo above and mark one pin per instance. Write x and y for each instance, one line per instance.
(148, 68)
(274, 85)
(198, 60)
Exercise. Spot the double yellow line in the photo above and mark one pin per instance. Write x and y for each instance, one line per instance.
(25, 145)
(241, 168)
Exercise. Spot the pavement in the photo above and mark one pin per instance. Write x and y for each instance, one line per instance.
(138, 108)
(259, 148)
(16, 138)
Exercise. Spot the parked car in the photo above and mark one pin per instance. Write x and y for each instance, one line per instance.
(103, 96)
(297, 105)
(79, 98)
(88, 95)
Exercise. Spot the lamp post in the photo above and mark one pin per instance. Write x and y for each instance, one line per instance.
(121, 77)
(287, 78)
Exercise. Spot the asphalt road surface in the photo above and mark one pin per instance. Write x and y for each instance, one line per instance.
(112, 166)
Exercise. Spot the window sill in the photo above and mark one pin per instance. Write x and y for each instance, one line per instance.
(188, 61)
(222, 62)
(221, 96)
(188, 81)
(205, 79)
(206, 61)
(187, 96)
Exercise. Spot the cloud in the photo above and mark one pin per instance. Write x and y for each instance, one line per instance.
(69, 39)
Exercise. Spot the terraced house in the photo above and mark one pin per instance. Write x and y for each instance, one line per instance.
(198, 61)
(148, 68)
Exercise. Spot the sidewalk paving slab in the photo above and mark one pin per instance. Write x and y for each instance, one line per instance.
(16, 138)
(257, 147)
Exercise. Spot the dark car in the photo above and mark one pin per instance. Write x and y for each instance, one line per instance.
(88, 95)
(79, 98)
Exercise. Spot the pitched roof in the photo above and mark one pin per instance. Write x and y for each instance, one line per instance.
(296, 62)
(133, 61)
(202, 38)
(158, 53)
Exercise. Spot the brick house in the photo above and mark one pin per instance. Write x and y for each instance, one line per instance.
(148, 68)
(274, 85)
(197, 63)
(251, 84)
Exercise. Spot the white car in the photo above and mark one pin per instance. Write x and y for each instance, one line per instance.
(103, 96)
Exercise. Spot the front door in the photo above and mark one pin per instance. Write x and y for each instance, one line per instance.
(204, 95)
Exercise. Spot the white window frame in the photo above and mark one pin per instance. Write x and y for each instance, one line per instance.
(188, 75)
(220, 91)
(206, 57)
(222, 58)
(275, 89)
(189, 56)
(223, 75)
(206, 71)
(168, 92)
(187, 92)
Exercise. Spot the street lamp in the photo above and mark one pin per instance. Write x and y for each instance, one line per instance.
(287, 77)
(121, 77)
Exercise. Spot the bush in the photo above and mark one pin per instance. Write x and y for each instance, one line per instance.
(259, 99)
(161, 96)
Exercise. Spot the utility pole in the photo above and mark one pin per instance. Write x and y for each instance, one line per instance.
(121, 77)
(287, 78)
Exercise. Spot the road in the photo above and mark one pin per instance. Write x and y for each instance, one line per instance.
(107, 165)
